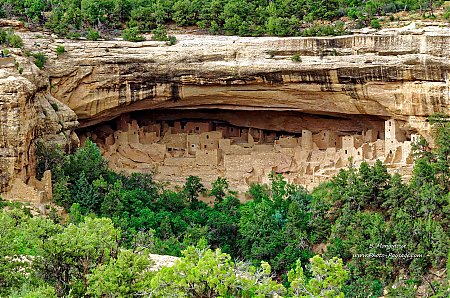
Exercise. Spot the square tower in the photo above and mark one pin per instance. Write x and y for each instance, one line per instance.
(306, 140)
(392, 131)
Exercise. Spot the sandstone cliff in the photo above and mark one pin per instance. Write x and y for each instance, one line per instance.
(391, 75)
(347, 84)
(28, 112)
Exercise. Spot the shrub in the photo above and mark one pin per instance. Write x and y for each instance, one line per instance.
(15, 41)
(9, 38)
(55, 107)
(446, 14)
(39, 60)
(132, 34)
(296, 58)
(93, 35)
(375, 23)
(317, 29)
(160, 33)
(171, 40)
(73, 35)
(60, 50)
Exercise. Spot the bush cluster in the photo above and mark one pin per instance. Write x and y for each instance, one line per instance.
(235, 17)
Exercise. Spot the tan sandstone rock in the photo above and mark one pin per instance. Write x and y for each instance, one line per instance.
(28, 112)
(345, 85)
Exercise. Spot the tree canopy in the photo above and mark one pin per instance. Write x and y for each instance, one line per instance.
(234, 17)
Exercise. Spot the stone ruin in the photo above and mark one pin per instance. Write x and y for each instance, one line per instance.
(245, 155)
(34, 191)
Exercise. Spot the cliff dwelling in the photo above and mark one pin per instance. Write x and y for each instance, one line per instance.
(244, 147)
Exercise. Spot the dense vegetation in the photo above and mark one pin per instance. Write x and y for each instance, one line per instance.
(40, 259)
(237, 17)
(378, 232)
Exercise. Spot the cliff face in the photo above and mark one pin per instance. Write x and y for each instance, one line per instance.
(391, 76)
(28, 112)
(345, 84)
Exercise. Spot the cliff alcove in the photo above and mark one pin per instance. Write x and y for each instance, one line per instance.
(345, 86)
(246, 145)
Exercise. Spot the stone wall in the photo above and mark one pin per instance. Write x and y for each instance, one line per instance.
(35, 191)
(197, 148)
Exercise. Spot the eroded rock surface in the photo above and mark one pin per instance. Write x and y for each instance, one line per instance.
(28, 112)
(393, 76)
(347, 84)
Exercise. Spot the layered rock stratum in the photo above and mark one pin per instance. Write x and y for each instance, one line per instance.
(391, 75)
(28, 112)
(346, 84)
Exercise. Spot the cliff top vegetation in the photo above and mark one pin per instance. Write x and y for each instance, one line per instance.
(106, 18)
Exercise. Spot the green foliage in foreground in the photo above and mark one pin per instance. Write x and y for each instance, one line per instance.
(388, 233)
(327, 279)
(125, 276)
(202, 272)
(85, 259)
(233, 17)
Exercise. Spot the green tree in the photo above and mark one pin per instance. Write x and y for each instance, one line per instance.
(193, 188)
(259, 192)
(127, 276)
(132, 34)
(49, 157)
(84, 194)
(219, 189)
(185, 12)
(97, 12)
(20, 240)
(112, 204)
(441, 127)
(68, 257)
(260, 235)
(61, 193)
(87, 159)
(327, 279)
(34, 9)
(142, 181)
(223, 225)
(279, 188)
(206, 273)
